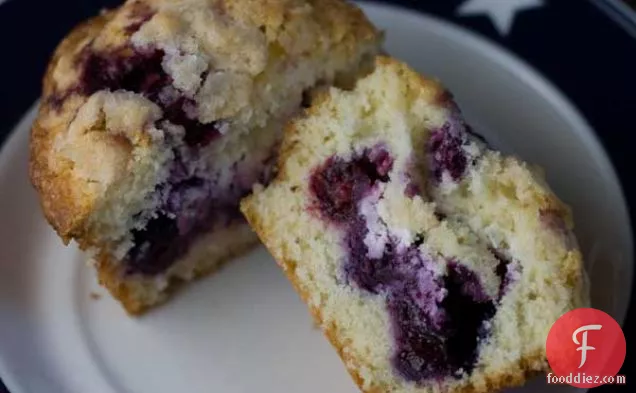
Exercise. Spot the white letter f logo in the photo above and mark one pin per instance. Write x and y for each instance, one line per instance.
(584, 347)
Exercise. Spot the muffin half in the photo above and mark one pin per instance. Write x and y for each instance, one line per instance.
(158, 117)
(432, 262)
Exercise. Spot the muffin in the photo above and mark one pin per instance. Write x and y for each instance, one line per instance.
(432, 262)
(156, 118)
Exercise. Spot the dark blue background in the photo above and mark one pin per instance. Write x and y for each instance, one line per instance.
(587, 54)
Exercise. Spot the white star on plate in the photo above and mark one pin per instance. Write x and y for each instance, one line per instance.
(501, 12)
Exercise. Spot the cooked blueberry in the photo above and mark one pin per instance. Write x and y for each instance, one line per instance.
(411, 190)
(466, 282)
(181, 194)
(378, 163)
(197, 134)
(447, 153)
(371, 274)
(339, 185)
(154, 247)
(467, 308)
(142, 72)
(440, 339)
(187, 212)
(421, 353)
(124, 69)
(501, 270)
(191, 206)
(436, 321)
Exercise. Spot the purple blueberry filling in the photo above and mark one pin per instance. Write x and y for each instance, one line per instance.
(435, 348)
(410, 179)
(155, 247)
(446, 149)
(191, 206)
(339, 185)
(438, 323)
(411, 190)
(191, 203)
(437, 320)
(142, 72)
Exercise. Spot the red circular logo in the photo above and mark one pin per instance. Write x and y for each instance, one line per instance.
(585, 348)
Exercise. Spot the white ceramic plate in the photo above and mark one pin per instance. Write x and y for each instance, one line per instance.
(244, 329)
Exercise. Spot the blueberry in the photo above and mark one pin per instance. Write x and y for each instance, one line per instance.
(439, 340)
(186, 213)
(370, 274)
(154, 247)
(339, 185)
(467, 308)
(141, 71)
(192, 206)
(411, 189)
(447, 153)
(466, 282)
(420, 353)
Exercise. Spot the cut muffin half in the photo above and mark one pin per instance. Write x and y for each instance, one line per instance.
(432, 262)
(157, 117)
